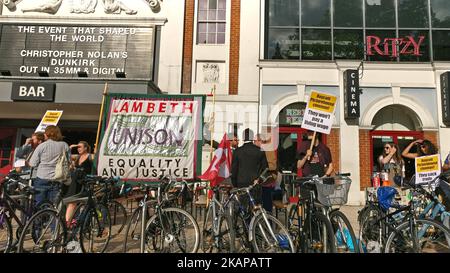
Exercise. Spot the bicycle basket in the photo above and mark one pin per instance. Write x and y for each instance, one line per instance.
(333, 194)
(386, 197)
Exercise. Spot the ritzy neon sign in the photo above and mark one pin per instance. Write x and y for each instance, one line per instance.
(406, 46)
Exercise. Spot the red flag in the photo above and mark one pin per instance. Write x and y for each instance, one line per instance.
(220, 167)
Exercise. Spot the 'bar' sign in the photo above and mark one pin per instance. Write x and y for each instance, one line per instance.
(445, 98)
(351, 94)
(33, 91)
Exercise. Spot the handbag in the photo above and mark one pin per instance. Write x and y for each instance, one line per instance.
(62, 169)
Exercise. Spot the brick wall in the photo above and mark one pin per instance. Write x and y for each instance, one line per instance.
(234, 46)
(364, 159)
(333, 143)
(188, 44)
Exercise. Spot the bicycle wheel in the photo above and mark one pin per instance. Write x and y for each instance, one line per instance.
(369, 230)
(270, 236)
(294, 226)
(242, 243)
(132, 236)
(44, 233)
(172, 230)
(6, 233)
(222, 240)
(95, 231)
(431, 237)
(344, 235)
(319, 236)
(118, 214)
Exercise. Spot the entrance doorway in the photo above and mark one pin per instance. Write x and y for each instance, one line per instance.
(7, 143)
(395, 124)
(289, 142)
(401, 138)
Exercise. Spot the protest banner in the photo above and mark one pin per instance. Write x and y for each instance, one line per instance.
(427, 168)
(319, 113)
(148, 136)
(50, 118)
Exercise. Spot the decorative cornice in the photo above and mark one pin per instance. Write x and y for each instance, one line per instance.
(75, 20)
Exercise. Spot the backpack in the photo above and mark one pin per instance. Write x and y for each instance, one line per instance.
(62, 169)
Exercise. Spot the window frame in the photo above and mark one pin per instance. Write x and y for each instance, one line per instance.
(207, 21)
(397, 29)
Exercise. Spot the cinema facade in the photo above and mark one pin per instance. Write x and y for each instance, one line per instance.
(58, 55)
(386, 60)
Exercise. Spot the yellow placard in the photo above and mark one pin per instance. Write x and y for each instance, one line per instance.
(322, 102)
(427, 164)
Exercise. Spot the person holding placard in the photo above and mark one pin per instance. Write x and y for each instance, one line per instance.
(315, 161)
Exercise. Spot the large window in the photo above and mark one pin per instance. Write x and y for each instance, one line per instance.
(348, 44)
(348, 13)
(315, 13)
(392, 30)
(316, 44)
(440, 13)
(413, 13)
(284, 43)
(441, 42)
(380, 13)
(211, 21)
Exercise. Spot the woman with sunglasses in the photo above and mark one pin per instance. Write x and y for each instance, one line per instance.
(424, 147)
(392, 163)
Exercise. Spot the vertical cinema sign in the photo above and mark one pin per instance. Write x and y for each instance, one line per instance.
(445, 98)
(351, 94)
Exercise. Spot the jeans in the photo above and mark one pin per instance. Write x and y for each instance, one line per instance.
(47, 191)
(267, 198)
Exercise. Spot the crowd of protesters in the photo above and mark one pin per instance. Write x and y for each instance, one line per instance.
(41, 153)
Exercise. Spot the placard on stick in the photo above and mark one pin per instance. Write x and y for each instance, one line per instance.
(319, 113)
(427, 168)
(51, 117)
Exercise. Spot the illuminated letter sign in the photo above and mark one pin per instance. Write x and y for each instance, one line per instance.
(445, 98)
(406, 46)
(351, 94)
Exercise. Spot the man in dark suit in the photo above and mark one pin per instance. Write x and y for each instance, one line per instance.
(248, 162)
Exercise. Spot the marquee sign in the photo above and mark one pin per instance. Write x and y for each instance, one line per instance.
(406, 46)
(64, 51)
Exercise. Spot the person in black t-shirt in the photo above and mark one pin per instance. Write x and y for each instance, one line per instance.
(317, 161)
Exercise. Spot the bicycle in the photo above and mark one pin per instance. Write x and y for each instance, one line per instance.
(16, 196)
(266, 233)
(166, 229)
(402, 230)
(217, 232)
(48, 226)
(107, 196)
(308, 224)
(332, 192)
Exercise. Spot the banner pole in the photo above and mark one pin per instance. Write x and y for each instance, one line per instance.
(105, 91)
(211, 126)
